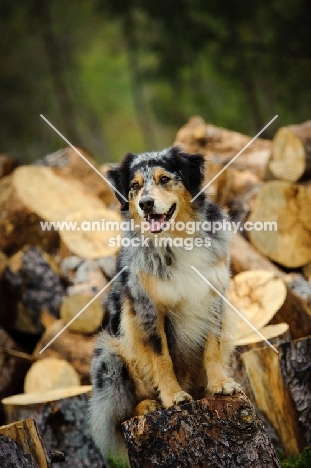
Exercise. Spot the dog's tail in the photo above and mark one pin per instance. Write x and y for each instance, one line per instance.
(113, 396)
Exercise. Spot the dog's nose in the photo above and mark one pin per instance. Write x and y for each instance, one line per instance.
(146, 203)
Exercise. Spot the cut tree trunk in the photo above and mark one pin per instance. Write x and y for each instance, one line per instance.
(33, 194)
(13, 364)
(75, 348)
(76, 270)
(291, 152)
(67, 163)
(26, 446)
(275, 334)
(244, 256)
(273, 398)
(307, 271)
(221, 145)
(296, 310)
(87, 281)
(296, 372)
(257, 295)
(221, 431)
(34, 285)
(50, 374)
(7, 165)
(92, 238)
(234, 189)
(62, 420)
(288, 206)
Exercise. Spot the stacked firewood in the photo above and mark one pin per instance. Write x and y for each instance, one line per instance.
(48, 276)
(271, 284)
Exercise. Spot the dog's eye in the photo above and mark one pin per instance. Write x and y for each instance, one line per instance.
(135, 185)
(164, 180)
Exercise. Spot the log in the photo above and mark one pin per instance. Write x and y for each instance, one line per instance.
(273, 397)
(50, 374)
(220, 145)
(87, 280)
(75, 348)
(288, 206)
(67, 163)
(35, 288)
(13, 364)
(13, 456)
(7, 165)
(296, 373)
(62, 420)
(233, 189)
(220, 431)
(307, 271)
(275, 334)
(27, 446)
(291, 152)
(33, 194)
(296, 310)
(257, 295)
(92, 238)
(6, 315)
(244, 256)
(74, 269)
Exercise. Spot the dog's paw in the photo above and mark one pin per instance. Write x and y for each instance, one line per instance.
(226, 387)
(147, 406)
(181, 397)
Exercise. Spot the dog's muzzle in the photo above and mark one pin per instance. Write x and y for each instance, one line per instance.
(156, 220)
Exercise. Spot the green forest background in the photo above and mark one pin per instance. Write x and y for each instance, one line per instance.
(123, 75)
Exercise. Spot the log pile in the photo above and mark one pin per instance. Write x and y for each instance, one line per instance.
(47, 276)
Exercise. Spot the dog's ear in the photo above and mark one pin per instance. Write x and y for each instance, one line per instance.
(191, 169)
(119, 176)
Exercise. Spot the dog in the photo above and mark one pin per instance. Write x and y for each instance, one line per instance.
(169, 337)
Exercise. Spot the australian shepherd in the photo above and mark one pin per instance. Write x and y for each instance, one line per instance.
(169, 334)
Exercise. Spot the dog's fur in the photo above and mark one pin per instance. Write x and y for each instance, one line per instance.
(169, 336)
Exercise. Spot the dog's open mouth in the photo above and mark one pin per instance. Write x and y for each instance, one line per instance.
(156, 221)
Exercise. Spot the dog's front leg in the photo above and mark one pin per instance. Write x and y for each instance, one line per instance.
(143, 324)
(218, 347)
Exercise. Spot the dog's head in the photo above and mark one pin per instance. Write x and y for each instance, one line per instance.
(158, 187)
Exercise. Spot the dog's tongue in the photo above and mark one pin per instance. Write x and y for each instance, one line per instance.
(156, 222)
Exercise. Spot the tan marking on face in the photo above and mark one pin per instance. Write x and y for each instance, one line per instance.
(137, 178)
(158, 173)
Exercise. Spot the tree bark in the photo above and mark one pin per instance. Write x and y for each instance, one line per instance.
(220, 146)
(25, 436)
(12, 455)
(222, 431)
(62, 420)
(272, 397)
(34, 285)
(296, 372)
